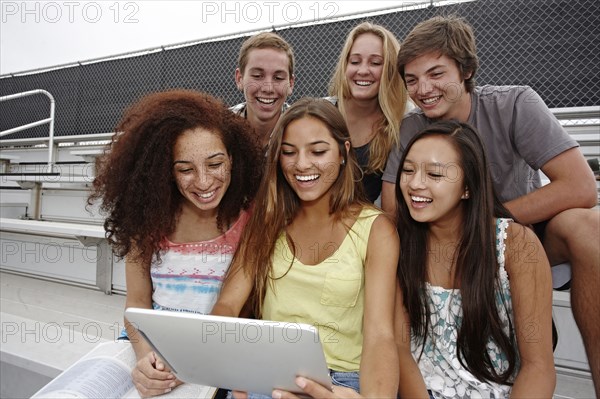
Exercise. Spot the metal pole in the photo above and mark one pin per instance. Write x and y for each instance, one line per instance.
(49, 120)
(51, 135)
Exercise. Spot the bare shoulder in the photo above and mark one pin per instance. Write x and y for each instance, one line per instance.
(383, 226)
(383, 250)
(518, 234)
(383, 232)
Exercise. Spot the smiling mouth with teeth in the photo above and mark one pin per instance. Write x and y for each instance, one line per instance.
(206, 195)
(431, 100)
(306, 178)
(266, 101)
(363, 83)
(420, 199)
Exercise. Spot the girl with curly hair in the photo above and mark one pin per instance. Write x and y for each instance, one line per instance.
(176, 184)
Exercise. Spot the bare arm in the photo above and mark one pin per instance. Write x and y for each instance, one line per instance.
(411, 382)
(234, 293)
(379, 362)
(139, 295)
(531, 293)
(388, 199)
(572, 185)
(150, 375)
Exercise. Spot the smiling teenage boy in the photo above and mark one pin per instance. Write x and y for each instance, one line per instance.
(438, 62)
(265, 74)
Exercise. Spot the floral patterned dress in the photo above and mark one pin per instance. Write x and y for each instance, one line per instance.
(444, 376)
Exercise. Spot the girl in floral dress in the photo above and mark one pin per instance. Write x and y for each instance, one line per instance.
(474, 313)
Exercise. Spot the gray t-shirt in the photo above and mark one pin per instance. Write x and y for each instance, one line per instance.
(519, 132)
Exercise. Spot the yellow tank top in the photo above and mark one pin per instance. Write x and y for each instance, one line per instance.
(329, 295)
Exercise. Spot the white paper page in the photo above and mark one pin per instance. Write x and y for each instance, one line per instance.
(182, 391)
(92, 378)
(102, 373)
(105, 372)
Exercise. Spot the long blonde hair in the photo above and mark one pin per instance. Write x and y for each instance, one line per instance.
(276, 202)
(392, 96)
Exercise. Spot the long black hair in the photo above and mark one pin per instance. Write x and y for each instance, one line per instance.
(476, 265)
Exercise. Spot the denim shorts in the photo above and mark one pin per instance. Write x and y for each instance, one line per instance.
(348, 379)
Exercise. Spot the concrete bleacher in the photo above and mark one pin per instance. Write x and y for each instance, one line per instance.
(57, 193)
(57, 268)
(55, 196)
(48, 326)
(89, 259)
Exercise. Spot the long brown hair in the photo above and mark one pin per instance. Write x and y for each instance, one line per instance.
(476, 265)
(451, 36)
(135, 182)
(277, 203)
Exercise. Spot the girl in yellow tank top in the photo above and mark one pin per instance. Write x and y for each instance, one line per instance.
(315, 251)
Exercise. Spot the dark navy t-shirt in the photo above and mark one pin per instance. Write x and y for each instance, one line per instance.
(370, 181)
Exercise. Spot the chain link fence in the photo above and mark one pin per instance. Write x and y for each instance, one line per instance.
(551, 45)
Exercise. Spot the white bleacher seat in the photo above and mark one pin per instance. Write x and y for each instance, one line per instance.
(88, 235)
(89, 155)
(24, 179)
(5, 160)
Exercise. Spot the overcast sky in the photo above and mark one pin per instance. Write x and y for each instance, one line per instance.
(39, 34)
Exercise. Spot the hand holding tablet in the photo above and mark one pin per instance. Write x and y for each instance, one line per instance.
(233, 353)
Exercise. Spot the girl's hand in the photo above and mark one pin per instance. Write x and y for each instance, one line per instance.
(317, 390)
(152, 378)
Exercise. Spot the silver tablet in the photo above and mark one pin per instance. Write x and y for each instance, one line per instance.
(233, 353)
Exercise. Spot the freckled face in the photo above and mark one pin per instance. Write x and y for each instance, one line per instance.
(201, 168)
(432, 182)
(310, 158)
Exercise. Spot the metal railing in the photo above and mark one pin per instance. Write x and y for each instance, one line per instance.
(577, 113)
(49, 120)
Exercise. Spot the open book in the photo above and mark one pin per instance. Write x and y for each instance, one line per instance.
(105, 372)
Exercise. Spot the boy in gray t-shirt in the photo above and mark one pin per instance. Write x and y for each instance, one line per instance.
(438, 62)
(498, 113)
